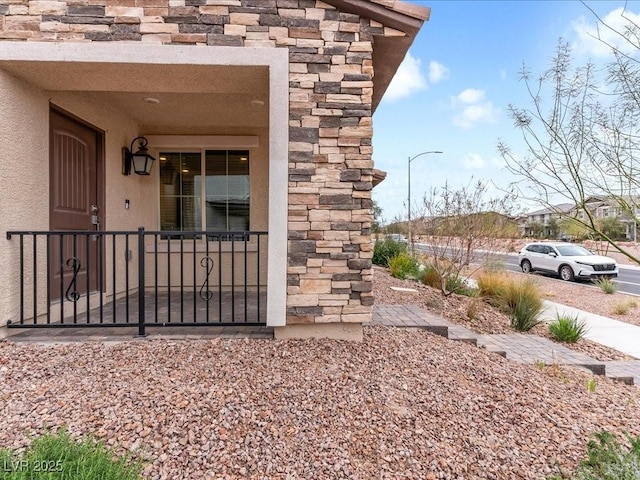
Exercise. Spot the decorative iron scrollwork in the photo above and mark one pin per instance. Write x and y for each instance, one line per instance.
(72, 294)
(207, 263)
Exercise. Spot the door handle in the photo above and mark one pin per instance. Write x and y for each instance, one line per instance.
(94, 219)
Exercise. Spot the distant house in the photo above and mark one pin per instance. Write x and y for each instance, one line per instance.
(539, 222)
(625, 209)
(194, 161)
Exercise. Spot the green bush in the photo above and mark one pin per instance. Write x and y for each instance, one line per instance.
(567, 329)
(385, 249)
(403, 265)
(607, 459)
(59, 457)
(523, 303)
(606, 285)
(457, 284)
(430, 277)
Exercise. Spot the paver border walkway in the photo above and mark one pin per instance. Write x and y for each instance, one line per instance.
(518, 347)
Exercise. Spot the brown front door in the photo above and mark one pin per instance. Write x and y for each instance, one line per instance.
(75, 161)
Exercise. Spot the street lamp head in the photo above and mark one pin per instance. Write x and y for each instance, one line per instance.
(411, 159)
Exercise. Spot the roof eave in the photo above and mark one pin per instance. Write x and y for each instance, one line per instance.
(378, 176)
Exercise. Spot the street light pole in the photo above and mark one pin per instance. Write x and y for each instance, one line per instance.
(411, 159)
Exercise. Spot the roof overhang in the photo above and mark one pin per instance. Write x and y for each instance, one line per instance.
(162, 88)
(378, 176)
(388, 51)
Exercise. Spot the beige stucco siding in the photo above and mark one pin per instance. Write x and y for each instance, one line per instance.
(24, 167)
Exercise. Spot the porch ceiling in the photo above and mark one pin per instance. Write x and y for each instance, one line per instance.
(192, 98)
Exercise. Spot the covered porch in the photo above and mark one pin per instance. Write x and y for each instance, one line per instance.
(188, 264)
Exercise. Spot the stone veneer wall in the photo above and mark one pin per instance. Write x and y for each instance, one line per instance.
(329, 274)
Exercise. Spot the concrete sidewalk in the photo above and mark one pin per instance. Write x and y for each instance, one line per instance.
(618, 335)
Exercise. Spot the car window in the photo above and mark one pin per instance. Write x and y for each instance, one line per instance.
(573, 251)
(531, 248)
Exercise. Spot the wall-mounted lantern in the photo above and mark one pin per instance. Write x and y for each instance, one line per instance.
(141, 161)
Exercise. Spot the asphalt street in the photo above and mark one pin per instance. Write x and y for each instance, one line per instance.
(628, 280)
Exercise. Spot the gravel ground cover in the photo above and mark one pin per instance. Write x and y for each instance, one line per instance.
(480, 317)
(402, 404)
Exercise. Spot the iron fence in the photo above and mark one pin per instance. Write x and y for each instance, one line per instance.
(139, 278)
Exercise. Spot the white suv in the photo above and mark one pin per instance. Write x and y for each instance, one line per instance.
(567, 260)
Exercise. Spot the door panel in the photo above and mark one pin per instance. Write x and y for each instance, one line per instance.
(75, 193)
(547, 262)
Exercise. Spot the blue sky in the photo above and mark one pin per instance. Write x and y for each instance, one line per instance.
(453, 89)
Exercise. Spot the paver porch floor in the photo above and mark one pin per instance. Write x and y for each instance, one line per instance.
(164, 323)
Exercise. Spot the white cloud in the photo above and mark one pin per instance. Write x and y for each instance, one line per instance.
(437, 72)
(408, 80)
(471, 108)
(470, 95)
(594, 38)
(474, 114)
(473, 160)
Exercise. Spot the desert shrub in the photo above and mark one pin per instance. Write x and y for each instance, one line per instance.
(608, 459)
(58, 456)
(567, 329)
(492, 285)
(455, 284)
(523, 303)
(606, 285)
(403, 265)
(474, 308)
(385, 249)
(622, 308)
(430, 277)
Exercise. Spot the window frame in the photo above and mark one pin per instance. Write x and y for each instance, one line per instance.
(207, 242)
(200, 143)
(227, 232)
(203, 172)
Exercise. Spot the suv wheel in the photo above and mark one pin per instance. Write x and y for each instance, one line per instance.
(526, 266)
(566, 273)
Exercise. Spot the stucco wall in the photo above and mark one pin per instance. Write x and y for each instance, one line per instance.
(24, 163)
